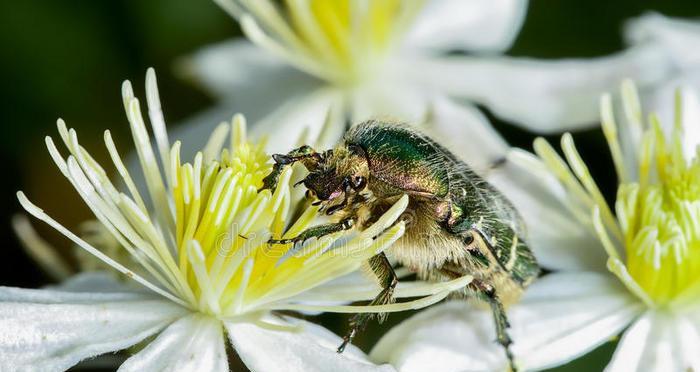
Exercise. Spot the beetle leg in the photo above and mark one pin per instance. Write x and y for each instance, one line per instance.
(316, 232)
(488, 293)
(381, 267)
(300, 154)
(270, 181)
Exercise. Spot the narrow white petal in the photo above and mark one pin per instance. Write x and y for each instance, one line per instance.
(475, 25)
(193, 343)
(307, 112)
(559, 238)
(464, 130)
(98, 282)
(38, 249)
(312, 348)
(542, 96)
(561, 317)
(687, 339)
(282, 119)
(391, 97)
(675, 37)
(236, 68)
(658, 342)
(53, 330)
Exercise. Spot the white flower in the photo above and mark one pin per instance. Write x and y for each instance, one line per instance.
(391, 58)
(631, 269)
(198, 242)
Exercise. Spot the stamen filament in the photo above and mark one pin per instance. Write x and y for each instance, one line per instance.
(388, 308)
(39, 214)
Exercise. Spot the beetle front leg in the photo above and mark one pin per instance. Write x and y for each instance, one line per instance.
(270, 181)
(305, 154)
(316, 232)
(381, 267)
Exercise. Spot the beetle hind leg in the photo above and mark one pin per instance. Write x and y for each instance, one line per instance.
(381, 267)
(488, 293)
(502, 325)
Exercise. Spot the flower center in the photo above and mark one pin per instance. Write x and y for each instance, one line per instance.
(218, 213)
(342, 41)
(653, 236)
(662, 220)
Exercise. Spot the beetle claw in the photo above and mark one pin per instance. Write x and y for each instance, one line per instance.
(282, 159)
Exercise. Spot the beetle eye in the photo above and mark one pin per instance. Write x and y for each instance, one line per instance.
(359, 183)
(310, 194)
(469, 238)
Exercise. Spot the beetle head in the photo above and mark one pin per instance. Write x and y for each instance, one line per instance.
(338, 174)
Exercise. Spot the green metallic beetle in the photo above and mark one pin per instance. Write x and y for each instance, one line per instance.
(459, 224)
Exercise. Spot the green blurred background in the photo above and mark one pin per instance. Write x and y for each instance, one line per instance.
(67, 58)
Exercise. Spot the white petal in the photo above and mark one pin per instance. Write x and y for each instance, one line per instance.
(391, 97)
(193, 343)
(96, 282)
(284, 125)
(395, 98)
(464, 130)
(559, 239)
(658, 342)
(475, 25)
(249, 81)
(236, 69)
(281, 118)
(561, 317)
(450, 337)
(677, 38)
(542, 96)
(688, 340)
(313, 348)
(52, 331)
